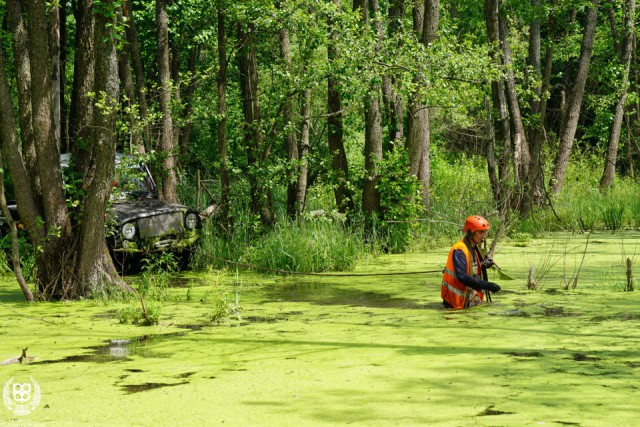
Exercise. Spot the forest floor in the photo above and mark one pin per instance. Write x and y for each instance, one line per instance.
(367, 350)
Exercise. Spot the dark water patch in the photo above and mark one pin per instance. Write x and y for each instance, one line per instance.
(117, 350)
(137, 388)
(324, 294)
(624, 317)
(235, 369)
(581, 357)
(552, 292)
(135, 370)
(567, 423)
(557, 311)
(529, 354)
(490, 411)
(109, 314)
(515, 313)
(632, 364)
(186, 282)
(186, 374)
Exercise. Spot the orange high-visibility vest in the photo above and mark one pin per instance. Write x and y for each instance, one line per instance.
(454, 291)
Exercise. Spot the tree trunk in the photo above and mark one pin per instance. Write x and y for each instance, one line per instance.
(15, 254)
(568, 131)
(289, 129)
(614, 132)
(95, 269)
(221, 83)
(521, 156)
(339, 166)
(136, 60)
(23, 80)
(126, 80)
(190, 88)
(53, 271)
(301, 190)
(373, 128)
(57, 76)
(81, 111)
(502, 131)
(539, 108)
(166, 143)
(419, 132)
(253, 136)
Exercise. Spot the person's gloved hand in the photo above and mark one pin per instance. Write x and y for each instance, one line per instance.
(493, 287)
(488, 263)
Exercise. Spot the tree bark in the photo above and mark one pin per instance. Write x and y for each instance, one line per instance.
(253, 135)
(15, 254)
(95, 269)
(419, 132)
(57, 77)
(339, 165)
(289, 129)
(614, 132)
(136, 60)
(166, 143)
(52, 263)
(23, 81)
(81, 111)
(502, 130)
(301, 190)
(568, 131)
(221, 84)
(373, 129)
(126, 80)
(521, 155)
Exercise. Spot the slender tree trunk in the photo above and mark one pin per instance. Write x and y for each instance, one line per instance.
(614, 133)
(568, 131)
(289, 129)
(539, 108)
(221, 82)
(502, 131)
(521, 156)
(419, 132)
(373, 130)
(301, 190)
(56, 72)
(15, 255)
(126, 80)
(166, 143)
(253, 136)
(141, 90)
(339, 166)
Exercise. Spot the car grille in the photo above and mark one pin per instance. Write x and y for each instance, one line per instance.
(161, 225)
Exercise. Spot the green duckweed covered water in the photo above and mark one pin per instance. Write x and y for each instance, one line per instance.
(375, 350)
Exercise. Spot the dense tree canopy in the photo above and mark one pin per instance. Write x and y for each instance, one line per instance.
(285, 95)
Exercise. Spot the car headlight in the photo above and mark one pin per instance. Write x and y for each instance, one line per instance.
(191, 221)
(129, 231)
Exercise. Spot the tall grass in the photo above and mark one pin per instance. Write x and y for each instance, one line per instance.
(310, 246)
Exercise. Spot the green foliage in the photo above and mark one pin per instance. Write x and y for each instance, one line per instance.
(315, 245)
(136, 314)
(157, 271)
(400, 200)
(225, 305)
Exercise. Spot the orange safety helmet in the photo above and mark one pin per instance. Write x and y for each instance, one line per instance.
(475, 223)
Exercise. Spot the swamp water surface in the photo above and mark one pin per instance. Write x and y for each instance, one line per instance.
(364, 350)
